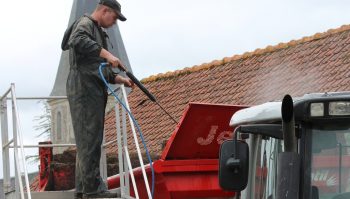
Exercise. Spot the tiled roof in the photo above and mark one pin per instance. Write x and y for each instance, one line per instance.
(319, 63)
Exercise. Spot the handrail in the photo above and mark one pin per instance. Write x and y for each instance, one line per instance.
(110, 142)
(137, 145)
(7, 144)
(125, 143)
(44, 145)
(131, 173)
(53, 145)
(17, 132)
(17, 143)
(39, 98)
(5, 140)
(125, 166)
(6, 93)
(120, 150)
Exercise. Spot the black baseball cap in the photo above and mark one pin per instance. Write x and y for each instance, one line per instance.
(115, 6)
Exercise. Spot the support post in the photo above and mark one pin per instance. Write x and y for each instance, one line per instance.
(103, 160)
(5, 150)
(125, 144)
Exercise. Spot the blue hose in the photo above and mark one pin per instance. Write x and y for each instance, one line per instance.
(102, 65)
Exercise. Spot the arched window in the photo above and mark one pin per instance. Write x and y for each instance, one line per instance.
(59, 126)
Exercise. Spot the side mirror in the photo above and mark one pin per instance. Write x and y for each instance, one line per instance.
(233, 165)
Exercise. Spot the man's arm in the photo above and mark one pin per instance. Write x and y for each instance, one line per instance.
(82, 40)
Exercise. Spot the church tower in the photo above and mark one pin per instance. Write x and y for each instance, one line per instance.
(61, 125)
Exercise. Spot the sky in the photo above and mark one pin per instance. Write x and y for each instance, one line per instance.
(159, 36)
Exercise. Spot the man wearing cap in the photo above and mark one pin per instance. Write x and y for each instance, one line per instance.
(87, 94)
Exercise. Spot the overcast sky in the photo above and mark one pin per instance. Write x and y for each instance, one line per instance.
(159, 36)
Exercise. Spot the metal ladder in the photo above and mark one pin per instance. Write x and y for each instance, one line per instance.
(22, 192)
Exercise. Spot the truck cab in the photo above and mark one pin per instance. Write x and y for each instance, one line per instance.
(298, 149)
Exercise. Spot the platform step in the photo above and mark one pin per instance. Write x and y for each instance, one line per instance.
(53, 195)
(61, 195)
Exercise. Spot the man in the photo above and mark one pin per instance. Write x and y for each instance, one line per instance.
(87, 94)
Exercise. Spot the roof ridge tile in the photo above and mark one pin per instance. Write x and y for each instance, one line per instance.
(258, 51)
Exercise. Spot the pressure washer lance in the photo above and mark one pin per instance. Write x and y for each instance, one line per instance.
(144, 89)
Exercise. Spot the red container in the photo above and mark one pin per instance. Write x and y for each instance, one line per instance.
(188, 167)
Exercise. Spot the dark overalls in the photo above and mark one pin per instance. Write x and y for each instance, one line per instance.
(87, 97)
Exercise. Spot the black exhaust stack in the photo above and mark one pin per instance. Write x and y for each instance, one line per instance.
(288, 171)
(288, 124)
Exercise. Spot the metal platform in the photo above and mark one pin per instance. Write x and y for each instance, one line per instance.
(44, 195)
(53, 195)
(60, 195)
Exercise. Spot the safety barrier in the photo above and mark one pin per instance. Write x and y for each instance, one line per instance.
(17, 144)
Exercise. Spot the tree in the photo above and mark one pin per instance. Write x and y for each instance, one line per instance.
(44, 126)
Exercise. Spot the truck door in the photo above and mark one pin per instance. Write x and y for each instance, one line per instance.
(263, 158)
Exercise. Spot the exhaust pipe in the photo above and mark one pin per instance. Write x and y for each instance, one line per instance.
(288, 169)
(288, 124)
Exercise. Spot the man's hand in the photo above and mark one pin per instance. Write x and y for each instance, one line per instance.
(129, 83)
(115, 62)
(122, 80)
(112, 60)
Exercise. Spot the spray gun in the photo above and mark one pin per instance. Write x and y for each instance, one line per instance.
(144, 90)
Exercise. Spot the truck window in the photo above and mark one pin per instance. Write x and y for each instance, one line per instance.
(266, 168)
(330, 166)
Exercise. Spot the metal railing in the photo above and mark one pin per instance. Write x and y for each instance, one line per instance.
(17, 136)
(123, 145)
(17, 143)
